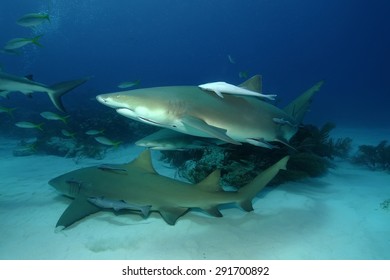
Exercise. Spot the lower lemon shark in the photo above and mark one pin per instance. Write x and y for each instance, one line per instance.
(233, 119)
(10, 83)
(170, 140)
(137, 186)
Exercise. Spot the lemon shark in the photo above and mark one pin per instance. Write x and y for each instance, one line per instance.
(233, 119)
(138, 187)
(10, 83)
(168, 140)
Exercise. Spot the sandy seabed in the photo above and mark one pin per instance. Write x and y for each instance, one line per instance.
(337, 216)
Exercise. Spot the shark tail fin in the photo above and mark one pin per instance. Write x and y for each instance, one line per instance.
(254, 84)
(298, 108)
(58, 90)
(249, 191)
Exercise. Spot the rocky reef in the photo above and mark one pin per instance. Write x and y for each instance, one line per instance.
(374, 157)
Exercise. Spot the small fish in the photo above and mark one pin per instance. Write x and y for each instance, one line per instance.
(54, 117)
(112, 168)
(107, 142)
(243, 74)
(17, 43)
(10, 52)
(7, 110)
(119, 205)
(67, 133)
(231, 60)
(5, 94)
(129, 84)
(93, 132)
(32, 20)
(29, 125)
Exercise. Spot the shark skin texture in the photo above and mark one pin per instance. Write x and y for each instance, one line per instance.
(138, 187)
(232, 119)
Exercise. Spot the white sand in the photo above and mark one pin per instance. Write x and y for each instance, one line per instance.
(337, 216)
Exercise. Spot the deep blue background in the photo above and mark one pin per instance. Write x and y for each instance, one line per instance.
(293, 44)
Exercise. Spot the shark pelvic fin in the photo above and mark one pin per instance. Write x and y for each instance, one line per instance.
(211, 182)
(144, 161)
(254, 84)
(171, 214)
(213, 131)
(78, 209)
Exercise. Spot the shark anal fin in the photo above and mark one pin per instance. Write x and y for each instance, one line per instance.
(78, 209)
(213, 131)
(171, 214)
(213, 211)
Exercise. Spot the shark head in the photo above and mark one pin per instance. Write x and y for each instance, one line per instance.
(67, 186)
(140, 105)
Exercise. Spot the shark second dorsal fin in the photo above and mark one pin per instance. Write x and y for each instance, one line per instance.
(211, 182)
(255, 84)
(144, 161)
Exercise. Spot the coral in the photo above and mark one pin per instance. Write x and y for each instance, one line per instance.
(375, 157)
(240, 164)
(385, 205)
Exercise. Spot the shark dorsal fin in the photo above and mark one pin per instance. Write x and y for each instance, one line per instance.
(300, 105)
(143, 161)
(211, 182)
(255, 84)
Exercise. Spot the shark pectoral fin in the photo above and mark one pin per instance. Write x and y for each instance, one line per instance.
(78, 209)
(213, 211)
(213, 131)
(260, 143)
(171, 214)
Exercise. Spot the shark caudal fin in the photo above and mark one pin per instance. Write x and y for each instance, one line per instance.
(298, 108)
(249, 191)
(56, 91)
(254, 84)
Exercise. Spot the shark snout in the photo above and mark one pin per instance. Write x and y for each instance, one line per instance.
(101, 99)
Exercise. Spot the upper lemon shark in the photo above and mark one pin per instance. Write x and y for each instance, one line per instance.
(233, 119)
(137, 186)
(9, 83)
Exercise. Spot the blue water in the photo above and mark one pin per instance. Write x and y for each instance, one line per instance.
(293, 44)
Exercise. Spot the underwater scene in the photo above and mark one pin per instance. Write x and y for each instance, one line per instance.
(208, 129)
